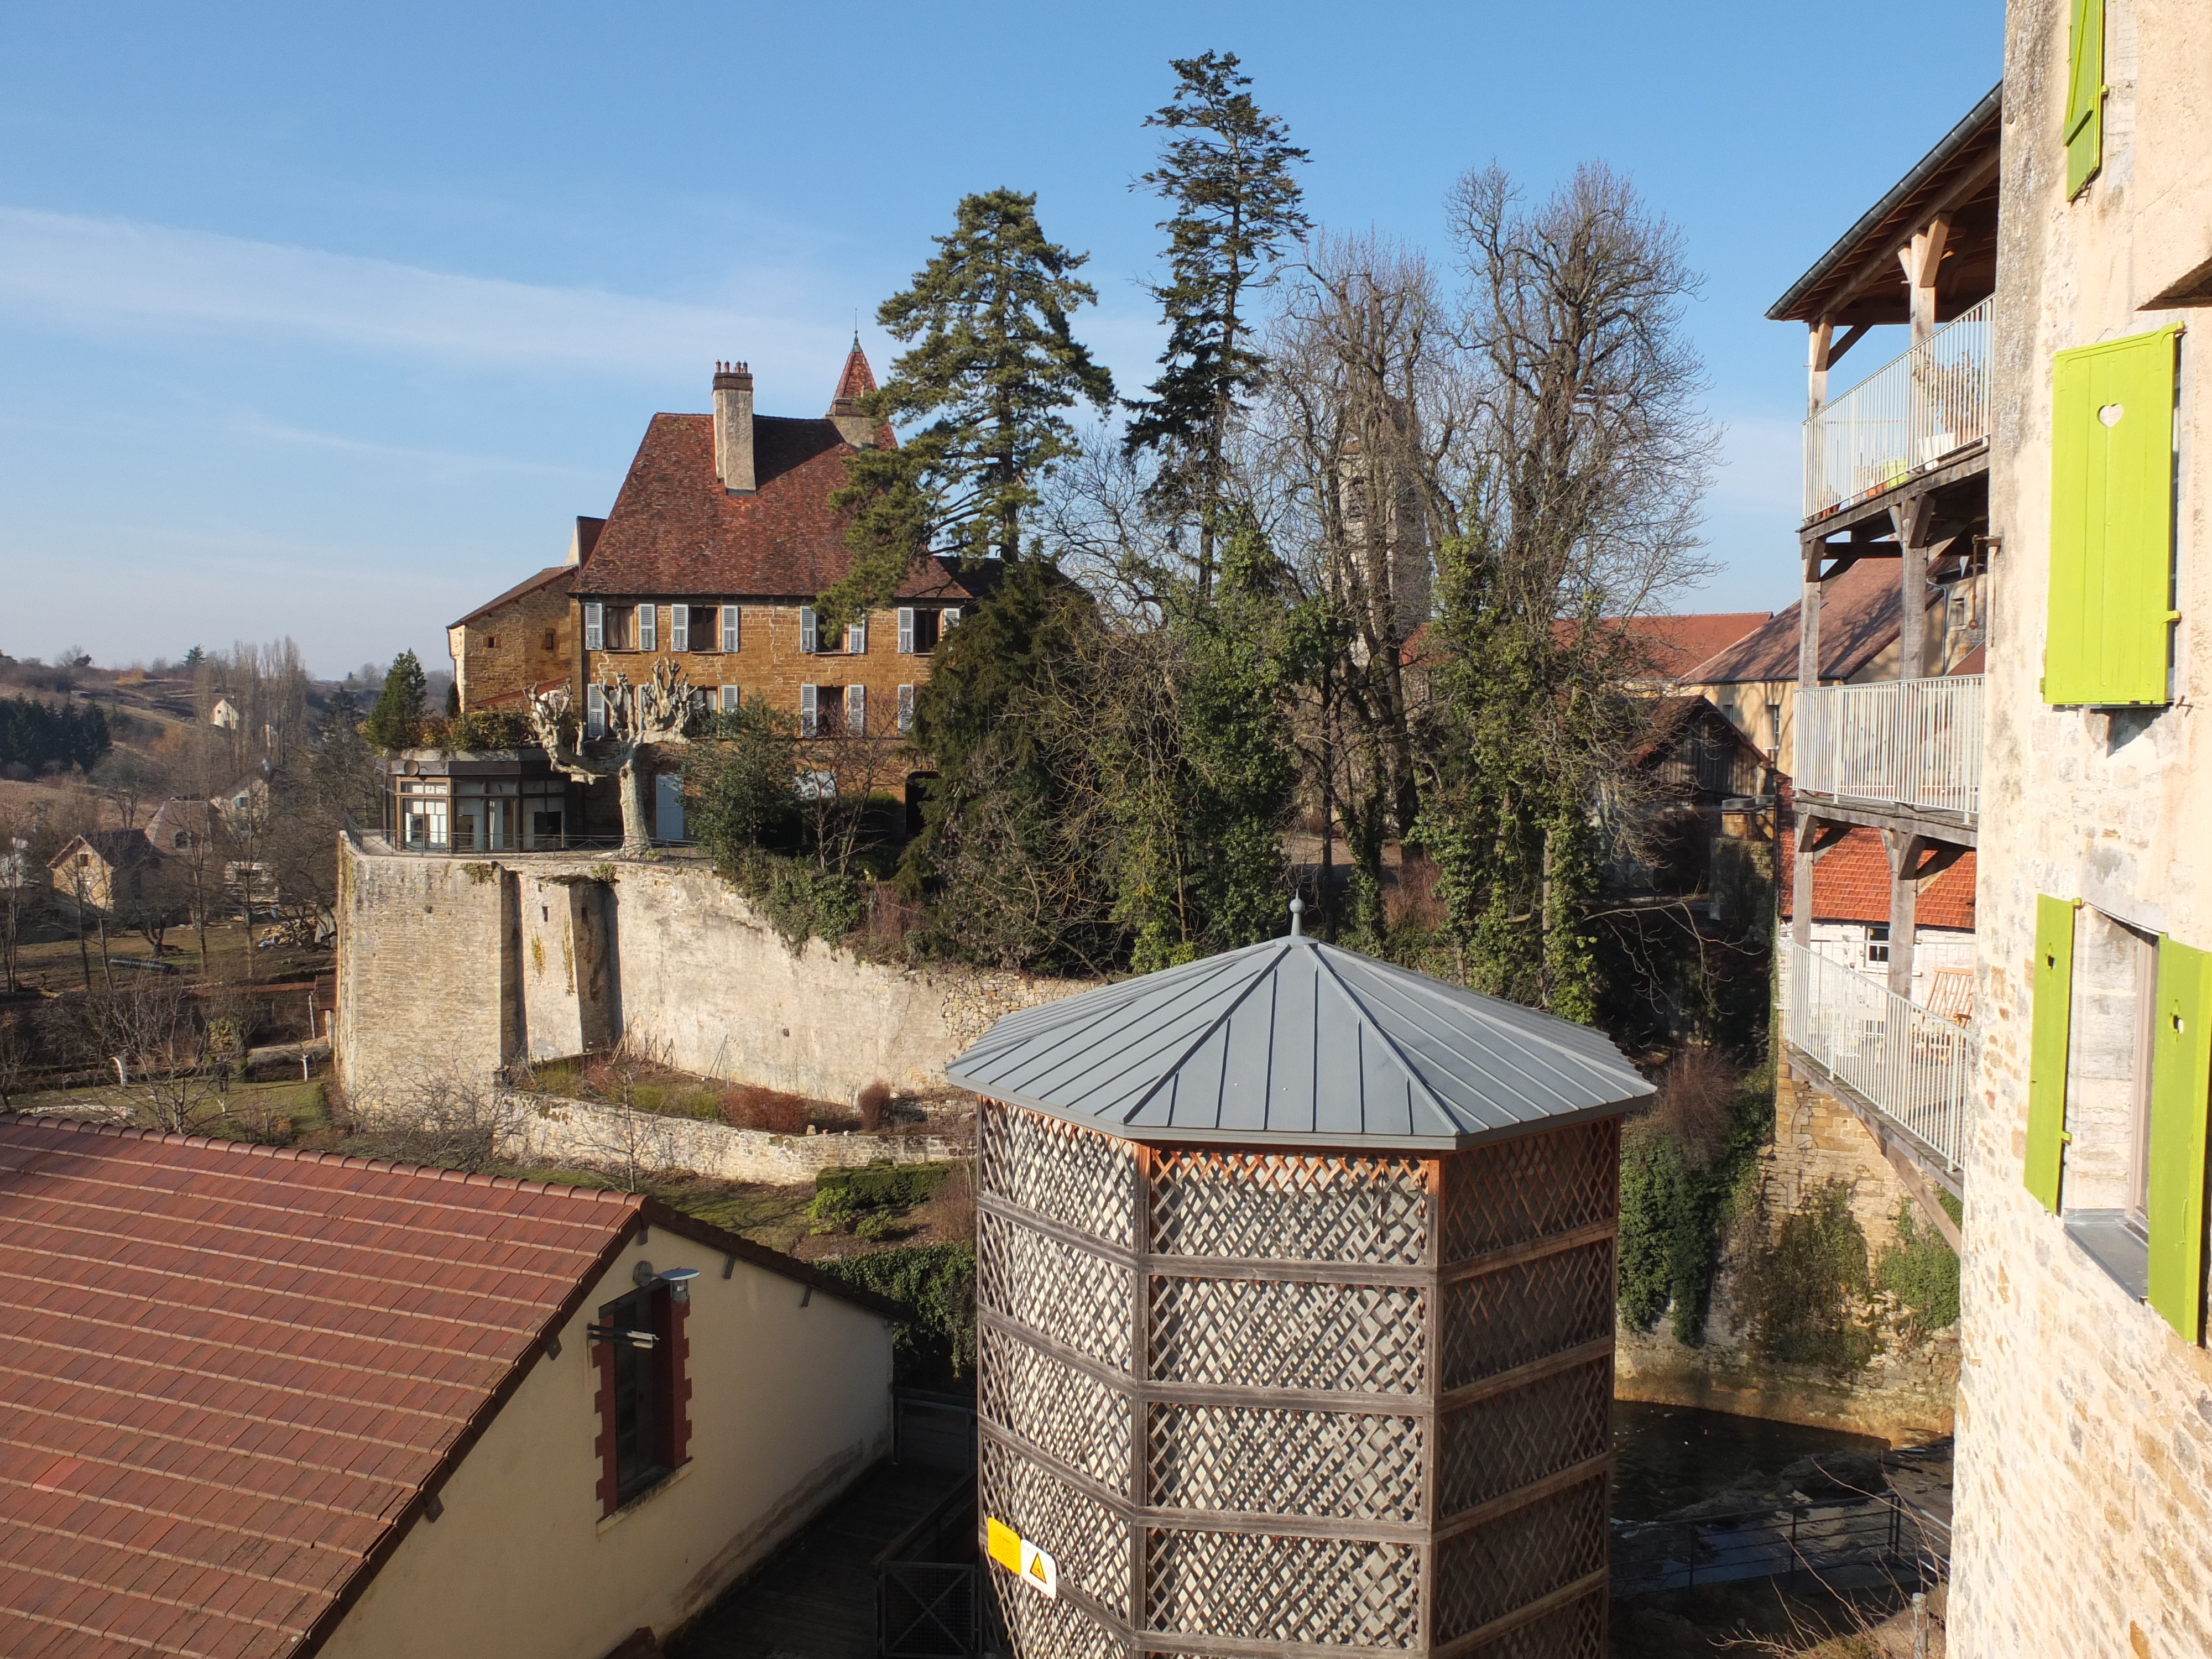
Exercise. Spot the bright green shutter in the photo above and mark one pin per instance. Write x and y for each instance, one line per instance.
(2053, 1017)
(2111, 522)
(2181, 1087)
(2085, 94)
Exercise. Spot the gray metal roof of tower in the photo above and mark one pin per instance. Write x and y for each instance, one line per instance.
(1293, 1039)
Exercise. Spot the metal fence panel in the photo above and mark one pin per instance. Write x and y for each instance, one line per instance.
(1915, 743)
(925, 1610)
(1909, 414)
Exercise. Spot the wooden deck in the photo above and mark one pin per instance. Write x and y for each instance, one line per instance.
(816, 1597)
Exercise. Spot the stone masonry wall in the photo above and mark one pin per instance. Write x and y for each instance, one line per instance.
(663, 951)
(2084, 1475)
(1905, 1395)
(553, 1130)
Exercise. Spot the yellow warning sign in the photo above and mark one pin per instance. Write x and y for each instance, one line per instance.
(1032, 1566)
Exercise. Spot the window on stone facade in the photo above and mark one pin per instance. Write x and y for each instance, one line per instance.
(809, 711)
(917, 631)
(2120, 1062)
(679, 628)
(616, 628)
(1877, 942)
(648, 627)
(810, 634)
(551, 643)
(491, 641)
(856, 635)
(595, 627)
(731, 627)
(729, 700)
(949, 616)
(856, 710)
(595, 711)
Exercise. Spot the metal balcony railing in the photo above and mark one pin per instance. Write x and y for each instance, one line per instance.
(1908, 415)
(1910, 743)
(1916, 1068)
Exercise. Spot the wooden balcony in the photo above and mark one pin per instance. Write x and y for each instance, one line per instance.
(1919, 412)
(1902, 750)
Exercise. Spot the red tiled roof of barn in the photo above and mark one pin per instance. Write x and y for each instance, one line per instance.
(1859, 612)
(675, 532)
(232, 1371)
(1851, 882)
(1676, 644)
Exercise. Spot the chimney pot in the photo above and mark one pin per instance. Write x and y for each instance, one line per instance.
(733, 428)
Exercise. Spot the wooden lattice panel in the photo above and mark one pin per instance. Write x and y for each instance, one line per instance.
(1348, 1465)
(1090, 1541)
(1517, 1190)
(1064, 1412)
(1496, 1321)
(1516, 1439)
(1267, 1205)
(1077, 1299)
(1030, 1626)
(1076, 1178)
(1576, 1630)
(1486, 1571)
(1342, 1591)
(1272, 1333)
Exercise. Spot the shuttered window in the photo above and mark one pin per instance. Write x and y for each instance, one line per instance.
(949, 616)
(730, 627)
(856, 635)
(648, 627)
(2085, 94)
(2049, 1036)
(679, 628)
(2111, 522)
(808, 634)
(856, 710)
(2181, 1085)
(906, 630)
(906, 708)
(809, 708)
(729, 700)
(595, 711)
(595, 627)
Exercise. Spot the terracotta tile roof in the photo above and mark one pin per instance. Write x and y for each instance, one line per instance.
(1859, 616)
(855, 383)
(1672, 644)
(233, 1371)
(675, 532)
(1851, 882)
(550, 576)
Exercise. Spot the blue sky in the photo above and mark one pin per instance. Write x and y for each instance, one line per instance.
(328, 321)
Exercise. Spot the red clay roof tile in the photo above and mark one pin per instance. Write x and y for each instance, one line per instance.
(1851, 882)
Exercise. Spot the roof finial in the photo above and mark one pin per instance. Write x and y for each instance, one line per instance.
(1297, 910)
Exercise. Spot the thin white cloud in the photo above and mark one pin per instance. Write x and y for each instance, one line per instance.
(439, 463)
(109, 275)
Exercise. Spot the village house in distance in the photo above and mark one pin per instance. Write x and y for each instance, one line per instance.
(710, 559)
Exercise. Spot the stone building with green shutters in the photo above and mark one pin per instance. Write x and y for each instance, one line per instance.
(2085, 1410)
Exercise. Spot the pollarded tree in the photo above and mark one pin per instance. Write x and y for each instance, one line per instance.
(1227, 172)
(666, 709)
(993, 365)
(391, 724)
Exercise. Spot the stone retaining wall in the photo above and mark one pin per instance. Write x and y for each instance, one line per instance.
(553, 1129)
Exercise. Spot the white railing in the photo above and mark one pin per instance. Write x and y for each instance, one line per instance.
(1907, 415)
(1916, 1067)
(1913, 743)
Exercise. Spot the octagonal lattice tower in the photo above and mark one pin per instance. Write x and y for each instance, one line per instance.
(1295, 1290)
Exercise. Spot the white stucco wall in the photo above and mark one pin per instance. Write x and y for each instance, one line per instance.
(788, 1404)
(2085, 1423)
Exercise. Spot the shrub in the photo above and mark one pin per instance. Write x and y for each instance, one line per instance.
(1682, 1174)
(1921, 1271)
(493, 729)
(874, 1101)
(1800, 1288)
(749, 1106)
(937, 1344)
(879, 1185)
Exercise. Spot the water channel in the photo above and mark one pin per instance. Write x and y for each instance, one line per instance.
(1666, 1457)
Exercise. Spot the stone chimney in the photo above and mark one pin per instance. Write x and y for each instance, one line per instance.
(733, 428)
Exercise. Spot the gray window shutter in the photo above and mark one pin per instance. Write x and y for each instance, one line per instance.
(730, 636)
(906, 630)
(906, 708)
(595, 711)
(856, 710)
(809, 714)
(729, 700)
(856, 636)
(679, 628)
(807, 635)
(648, 627)
(595, 627)
(950, 618)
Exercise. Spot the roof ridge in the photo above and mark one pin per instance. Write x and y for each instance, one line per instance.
(1366, 1018)
(1207, 1033)
(315, 1154)
(1438, 992)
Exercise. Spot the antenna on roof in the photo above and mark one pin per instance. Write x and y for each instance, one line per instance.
(1297, 910)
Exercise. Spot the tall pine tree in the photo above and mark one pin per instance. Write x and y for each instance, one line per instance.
(1227, 172)
(992, 364)
(392, 724)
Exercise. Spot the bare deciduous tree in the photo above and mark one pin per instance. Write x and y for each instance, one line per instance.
(666, 709)
(443, 1116)
(155, 1038)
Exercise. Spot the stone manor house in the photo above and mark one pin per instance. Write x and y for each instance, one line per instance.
(711, 558)
(2032, 469)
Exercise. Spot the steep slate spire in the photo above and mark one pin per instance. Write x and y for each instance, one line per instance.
(861, 431)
